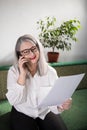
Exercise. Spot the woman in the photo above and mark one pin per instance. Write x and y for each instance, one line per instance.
(27, 83)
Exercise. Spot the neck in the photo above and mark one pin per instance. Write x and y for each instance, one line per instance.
(32, 68)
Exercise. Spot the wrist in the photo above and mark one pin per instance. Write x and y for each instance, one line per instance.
(21, 80)
(60, 108)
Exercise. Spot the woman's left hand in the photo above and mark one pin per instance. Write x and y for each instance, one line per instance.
(66, 105)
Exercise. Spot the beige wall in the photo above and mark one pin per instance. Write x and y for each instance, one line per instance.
(18, 17)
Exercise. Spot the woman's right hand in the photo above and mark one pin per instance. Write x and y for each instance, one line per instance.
(22, 70)
(21, 65)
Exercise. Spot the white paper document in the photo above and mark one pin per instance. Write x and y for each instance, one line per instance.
(63, 89)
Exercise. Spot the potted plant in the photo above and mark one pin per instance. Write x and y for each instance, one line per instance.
(55, 37)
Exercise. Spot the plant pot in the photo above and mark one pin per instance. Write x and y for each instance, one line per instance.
(53, 56)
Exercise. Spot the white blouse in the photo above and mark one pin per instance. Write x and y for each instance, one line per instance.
(26, 98)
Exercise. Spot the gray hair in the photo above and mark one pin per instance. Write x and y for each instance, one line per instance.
(42, 64)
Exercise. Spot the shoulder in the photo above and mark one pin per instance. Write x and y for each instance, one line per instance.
(52, 72)
(51, 69)
(13, 69)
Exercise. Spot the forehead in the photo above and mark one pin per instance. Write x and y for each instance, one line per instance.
(26, 45)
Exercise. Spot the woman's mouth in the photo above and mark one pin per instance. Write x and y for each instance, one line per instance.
(33, 58)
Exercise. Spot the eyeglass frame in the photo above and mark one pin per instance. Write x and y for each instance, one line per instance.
(32, 49)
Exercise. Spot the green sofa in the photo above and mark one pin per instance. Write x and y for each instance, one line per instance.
(75, 118)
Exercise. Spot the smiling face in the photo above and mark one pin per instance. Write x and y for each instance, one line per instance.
(30, 52)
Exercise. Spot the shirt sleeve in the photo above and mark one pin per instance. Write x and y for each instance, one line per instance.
(53, 76)
(15, 92)
(54, 109)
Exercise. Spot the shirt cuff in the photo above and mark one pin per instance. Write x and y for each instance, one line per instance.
(18, 86)
(54, 109)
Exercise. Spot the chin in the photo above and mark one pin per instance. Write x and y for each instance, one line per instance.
(34, 61)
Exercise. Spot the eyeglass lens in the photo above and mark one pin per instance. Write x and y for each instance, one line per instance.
(27, 51)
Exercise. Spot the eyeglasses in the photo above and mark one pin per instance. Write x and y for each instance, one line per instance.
(27, 51)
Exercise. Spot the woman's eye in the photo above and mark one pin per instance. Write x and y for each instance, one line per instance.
(27, 51)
